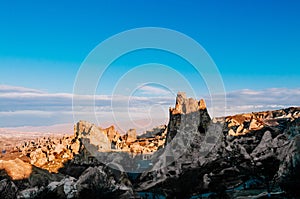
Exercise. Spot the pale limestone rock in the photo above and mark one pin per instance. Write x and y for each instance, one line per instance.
(92, 136)
(131, 135)
(186, 105)
(231, 132)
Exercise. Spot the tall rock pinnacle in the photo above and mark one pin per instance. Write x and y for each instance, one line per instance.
(188, 112)
(186, 105)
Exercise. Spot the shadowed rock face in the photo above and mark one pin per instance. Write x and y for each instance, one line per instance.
(97, 139)
(252, 153)
(188, 112)
(8, 189)
(256, 151)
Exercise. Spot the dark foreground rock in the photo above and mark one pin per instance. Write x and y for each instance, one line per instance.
(95, 182)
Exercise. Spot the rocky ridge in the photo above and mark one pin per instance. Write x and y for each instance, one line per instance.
(51, 153)
(254, 153)
(246, 155)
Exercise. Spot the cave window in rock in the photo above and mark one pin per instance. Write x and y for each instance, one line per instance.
(91, 159)
(113, 145)
(201, 130)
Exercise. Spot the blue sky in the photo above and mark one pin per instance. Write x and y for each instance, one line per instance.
(255, 44)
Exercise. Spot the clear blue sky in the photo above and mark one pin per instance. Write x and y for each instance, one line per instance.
(255, 44)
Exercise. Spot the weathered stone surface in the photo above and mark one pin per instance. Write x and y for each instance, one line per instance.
(188, 115)
(65, 188)
(131, 135)
(186, 105)
(8, 189)
(261, 146)
(28, 193)
(38, 157)
(96, 182)
(16, 169)
(112, 134)
(92, 136)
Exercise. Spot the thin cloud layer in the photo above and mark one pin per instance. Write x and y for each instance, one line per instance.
(246, 100)
(17, 89)
(29, 107)
(153, 90)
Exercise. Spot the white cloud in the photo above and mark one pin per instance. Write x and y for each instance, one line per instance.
(153, 90)
(26, 113)
(21, 106)
(17, 89)
(246, 100)
(29, 107)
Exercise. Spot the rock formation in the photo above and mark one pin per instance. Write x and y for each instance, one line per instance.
(131, 136)
(249, 155)
(254, 152)
(188, 113)
(244, 123)
(51, 153)
(92, 136)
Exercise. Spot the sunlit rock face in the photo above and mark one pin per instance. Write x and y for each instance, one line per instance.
(96, 139)
(186, 105)
(16, 169)
(49, 153)
(53, 153)
(93, 138)
(131, 135)
(242, 124)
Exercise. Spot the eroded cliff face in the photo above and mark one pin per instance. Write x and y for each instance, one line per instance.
(67, 167)
(51, 153)
(188, 115)
(242, 124)
(190, 135)
(253, 152)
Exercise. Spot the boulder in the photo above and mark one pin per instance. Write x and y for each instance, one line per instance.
(96, 182)
(28, 193)
(92, 137)
(16, 169)
(38, 158)
(131, 135)
(8, 190)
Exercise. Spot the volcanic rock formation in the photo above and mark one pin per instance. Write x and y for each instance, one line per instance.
(253, 155)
